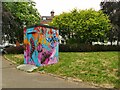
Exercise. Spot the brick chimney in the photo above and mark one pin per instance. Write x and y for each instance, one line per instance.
(52, 13)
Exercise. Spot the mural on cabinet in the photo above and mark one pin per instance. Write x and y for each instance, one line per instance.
(41, 45)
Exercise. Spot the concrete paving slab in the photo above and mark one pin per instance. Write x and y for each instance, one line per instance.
(27, 67)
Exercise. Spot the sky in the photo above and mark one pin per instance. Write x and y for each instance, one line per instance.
(46, 6)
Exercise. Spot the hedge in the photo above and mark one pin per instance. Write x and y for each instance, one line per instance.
(87, 48)
(68, 48)
(14, 50)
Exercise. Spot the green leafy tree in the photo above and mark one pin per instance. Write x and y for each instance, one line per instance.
(15, 15)
(83, 26)
(113, 10)
(62, 23)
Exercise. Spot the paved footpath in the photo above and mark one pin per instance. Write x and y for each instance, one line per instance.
(13, 78)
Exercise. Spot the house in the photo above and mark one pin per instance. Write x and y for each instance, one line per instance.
(47, 19)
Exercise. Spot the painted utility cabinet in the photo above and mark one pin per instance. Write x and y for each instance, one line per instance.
(41, 45)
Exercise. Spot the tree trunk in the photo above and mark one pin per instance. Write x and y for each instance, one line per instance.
(118, 35)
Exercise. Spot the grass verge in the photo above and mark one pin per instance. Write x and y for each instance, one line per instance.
(94, 67)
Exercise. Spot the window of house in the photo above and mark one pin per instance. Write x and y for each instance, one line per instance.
(44, 18)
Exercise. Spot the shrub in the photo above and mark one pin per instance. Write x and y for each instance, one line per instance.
(68, 48)
(87, 48)
(14, 50)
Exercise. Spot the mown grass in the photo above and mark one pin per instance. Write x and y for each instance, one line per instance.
(17, 58)
(94, 67)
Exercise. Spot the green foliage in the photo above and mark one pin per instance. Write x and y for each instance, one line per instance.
(84, 25)
(73, 46)
(15, 15)
(112, 9)
(23, 12)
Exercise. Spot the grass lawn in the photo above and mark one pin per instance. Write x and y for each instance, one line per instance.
(94, 67)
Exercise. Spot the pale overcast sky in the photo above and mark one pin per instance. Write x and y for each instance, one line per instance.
(45, 6)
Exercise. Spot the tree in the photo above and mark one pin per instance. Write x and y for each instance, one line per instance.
(62, 23)
(83, 26)
(15, 14)
(113, 10)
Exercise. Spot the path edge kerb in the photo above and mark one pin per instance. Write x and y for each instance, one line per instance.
(63, 77)
(10, 60)
(70, 79)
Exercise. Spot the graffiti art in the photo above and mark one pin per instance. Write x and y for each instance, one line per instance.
(41, 45)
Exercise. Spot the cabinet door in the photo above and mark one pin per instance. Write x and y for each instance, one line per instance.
(31, 54)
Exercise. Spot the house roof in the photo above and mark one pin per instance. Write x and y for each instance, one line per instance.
(46, 19)
(42, 25)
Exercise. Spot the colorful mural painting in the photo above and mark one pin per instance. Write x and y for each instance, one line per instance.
(41, 45)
